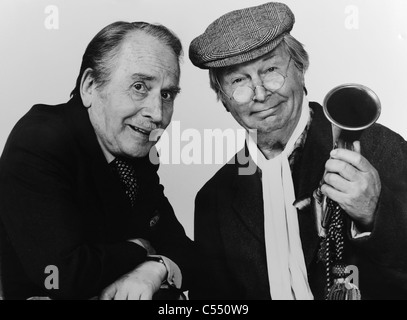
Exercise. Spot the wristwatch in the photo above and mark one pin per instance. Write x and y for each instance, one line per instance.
(157, 259)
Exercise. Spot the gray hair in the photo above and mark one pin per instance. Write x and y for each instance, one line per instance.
(104, 47)
(291, 45)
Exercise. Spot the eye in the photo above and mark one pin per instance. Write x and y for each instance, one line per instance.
(237, 81)
(140, 87)
(168, 96)
(272, 69)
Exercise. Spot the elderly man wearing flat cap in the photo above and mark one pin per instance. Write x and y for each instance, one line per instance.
(259, 240)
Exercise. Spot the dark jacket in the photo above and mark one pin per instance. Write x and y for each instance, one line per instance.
(62, 205)
(229, 226)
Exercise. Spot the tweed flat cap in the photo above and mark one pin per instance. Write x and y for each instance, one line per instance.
(242, 35)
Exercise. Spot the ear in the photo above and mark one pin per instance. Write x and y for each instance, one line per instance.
(303, 83)
(301, 74)
(87, 87)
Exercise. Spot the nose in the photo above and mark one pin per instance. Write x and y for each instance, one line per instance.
(154, 109)
(260, 93)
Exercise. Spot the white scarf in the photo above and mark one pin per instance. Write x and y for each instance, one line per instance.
(285, 259)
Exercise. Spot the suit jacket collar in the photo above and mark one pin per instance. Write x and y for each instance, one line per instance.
(309, 170)
(307, 175)
(113, 199)
(106, 184)
(84, 133)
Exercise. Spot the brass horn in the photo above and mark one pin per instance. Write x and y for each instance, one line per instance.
(351, 108)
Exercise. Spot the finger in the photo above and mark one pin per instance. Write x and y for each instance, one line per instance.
(333, 194)
(356, 147)
(337, 182)
(146, 295)
(134, 295)
(108, 293)
(121, 294)
(352, 157)
(344, 169)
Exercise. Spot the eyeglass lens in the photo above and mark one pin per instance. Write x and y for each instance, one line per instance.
(271, 82)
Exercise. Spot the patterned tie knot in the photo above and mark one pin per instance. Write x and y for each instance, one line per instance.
(127, 176)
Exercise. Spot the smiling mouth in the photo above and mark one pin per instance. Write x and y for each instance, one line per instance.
(268, 109)
(136, 129)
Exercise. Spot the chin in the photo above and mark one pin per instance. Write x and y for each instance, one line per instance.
(137, 152)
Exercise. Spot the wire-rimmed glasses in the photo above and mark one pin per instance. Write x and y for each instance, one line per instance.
(272, 82)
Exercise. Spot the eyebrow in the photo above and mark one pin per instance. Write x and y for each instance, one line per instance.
(143, 76)
(174, 89)
(230, 70)
(146, 77)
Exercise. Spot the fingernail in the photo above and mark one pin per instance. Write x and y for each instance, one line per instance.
(334, 152)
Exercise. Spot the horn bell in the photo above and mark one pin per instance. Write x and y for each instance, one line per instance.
(351, 108)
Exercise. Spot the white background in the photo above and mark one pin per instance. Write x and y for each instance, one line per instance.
(38, 65)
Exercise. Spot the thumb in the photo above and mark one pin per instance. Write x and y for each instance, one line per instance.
(356, 147)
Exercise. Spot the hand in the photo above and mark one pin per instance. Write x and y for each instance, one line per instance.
(354, 184)
(140, 284)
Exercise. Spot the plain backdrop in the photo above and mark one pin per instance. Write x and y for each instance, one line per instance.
(358, 41)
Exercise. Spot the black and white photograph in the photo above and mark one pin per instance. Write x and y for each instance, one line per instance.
(189, 151)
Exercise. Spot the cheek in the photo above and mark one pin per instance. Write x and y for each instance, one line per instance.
(294, 91)
(167, 115)
(243, 118)
(105, 118)
(297, 84)
(235, 112)
(97, 117)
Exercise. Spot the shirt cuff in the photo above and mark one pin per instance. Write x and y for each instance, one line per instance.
(174, 275)
(356, 234)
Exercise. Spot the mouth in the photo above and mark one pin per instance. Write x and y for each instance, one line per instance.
(267, 110)
(139, 130)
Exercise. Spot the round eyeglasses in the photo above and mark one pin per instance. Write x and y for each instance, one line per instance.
(272, 82)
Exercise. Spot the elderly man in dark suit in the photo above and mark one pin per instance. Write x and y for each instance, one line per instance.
(259, 235)
(82, 213)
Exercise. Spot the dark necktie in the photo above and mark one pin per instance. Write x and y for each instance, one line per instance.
(127, 176)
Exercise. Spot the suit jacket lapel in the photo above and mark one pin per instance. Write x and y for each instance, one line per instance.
(248, 201)
(242, 231)
(107, 186)
(308, 173)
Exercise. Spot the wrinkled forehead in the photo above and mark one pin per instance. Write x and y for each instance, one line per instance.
(144, 51)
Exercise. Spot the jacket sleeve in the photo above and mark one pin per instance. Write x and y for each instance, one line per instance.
(387, 244)
(168, 236)
(42, 220)
(214, 282)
